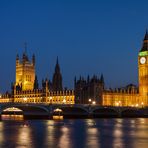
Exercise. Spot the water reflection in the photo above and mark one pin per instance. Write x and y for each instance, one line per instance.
(142, 120)
(118, 134)
(1, 133)
(140, 135)
(92, 137)
(132, 123)
(50, 133)
(24, 136)
(92, 133)
(64, 140)
(12, 117)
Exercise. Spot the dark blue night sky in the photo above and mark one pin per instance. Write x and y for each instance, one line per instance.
(89, 37)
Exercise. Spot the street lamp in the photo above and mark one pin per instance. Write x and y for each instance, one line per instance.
(25, 99)
(137, 105)
(117, 104)
(64, 101)
(50, 99)
(142, 104)
(94, 102)
(89, 100)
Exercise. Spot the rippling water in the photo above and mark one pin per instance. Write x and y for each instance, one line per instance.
(93, 133)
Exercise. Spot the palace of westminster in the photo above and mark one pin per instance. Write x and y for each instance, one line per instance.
(86, 91)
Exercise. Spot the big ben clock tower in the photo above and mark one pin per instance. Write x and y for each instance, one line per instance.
(143, 71)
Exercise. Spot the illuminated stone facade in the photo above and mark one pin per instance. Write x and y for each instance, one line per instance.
(25, 72)
(127, 96)
(133, 96)
(44, 96)
(5, 98)
(26, 88)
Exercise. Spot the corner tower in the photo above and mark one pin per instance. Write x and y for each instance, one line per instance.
(25, 72)
(143, 70)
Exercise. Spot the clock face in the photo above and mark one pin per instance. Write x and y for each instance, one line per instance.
(142, 60)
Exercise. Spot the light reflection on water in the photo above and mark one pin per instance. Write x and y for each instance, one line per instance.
(93, 137)
(64, 140)
(50, 132)
(90, 133)
(1, 131)
(118, 134)
(24, 136)
(12, 117)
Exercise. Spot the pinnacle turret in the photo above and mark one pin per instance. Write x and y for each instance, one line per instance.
(145, 42)
(57, 67)
(33, 59)
(17, 59)
(146, 36)
(102, 78)
(57, 78)
(36, 84)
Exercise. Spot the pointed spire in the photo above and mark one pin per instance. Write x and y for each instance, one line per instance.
(36, 84)
(57, 61)
(12, 86)
(102, 78)
(57, 78)
(80, 78)
(75, 80)
(145, 42)
(88, 79)
(33, 59)
(57, 67)
(146, 36)
(43, 84)
(46, 84)
(25, 57)
(17, 59)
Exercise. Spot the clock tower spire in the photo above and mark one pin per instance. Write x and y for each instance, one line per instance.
(143, 70)
(145, 43)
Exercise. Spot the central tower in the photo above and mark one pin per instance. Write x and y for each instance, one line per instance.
(25, 72)
(57, 78)
(143, 70)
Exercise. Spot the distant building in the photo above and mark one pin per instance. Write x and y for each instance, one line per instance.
(90, 90)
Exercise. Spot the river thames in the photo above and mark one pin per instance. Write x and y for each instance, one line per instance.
(78, 133)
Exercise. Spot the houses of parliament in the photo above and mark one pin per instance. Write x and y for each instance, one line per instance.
(131, 95)
(26, 88)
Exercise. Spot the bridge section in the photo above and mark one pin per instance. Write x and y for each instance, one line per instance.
(74, 111)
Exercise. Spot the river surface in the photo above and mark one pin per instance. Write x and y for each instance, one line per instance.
(78, 133)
